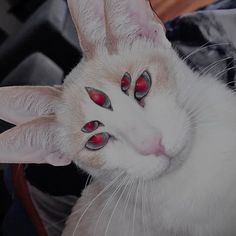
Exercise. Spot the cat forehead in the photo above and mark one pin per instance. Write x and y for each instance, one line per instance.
(107, 68)
(106, 71)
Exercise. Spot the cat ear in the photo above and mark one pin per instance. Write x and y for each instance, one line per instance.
(19, 104)
(88, 17)
(32, 142)
(129, 20)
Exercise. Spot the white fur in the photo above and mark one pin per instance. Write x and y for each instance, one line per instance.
(189, 191)
(194, 193)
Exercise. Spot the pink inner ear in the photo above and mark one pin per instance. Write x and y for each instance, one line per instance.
(145, 16)
(139, 20)
(20, 104)
(32, 142)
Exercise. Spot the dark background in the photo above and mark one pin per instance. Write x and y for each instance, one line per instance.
(38, 46)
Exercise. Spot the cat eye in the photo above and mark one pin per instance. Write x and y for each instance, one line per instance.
(142, 85)
(125, 82)
(97, 141)
(91, 126)
(99, 98)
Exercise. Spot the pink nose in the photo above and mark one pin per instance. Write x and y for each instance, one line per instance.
(152, 147)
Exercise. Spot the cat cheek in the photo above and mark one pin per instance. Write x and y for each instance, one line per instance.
(94, 161)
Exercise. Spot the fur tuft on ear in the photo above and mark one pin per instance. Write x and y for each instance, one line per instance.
(129, 20)
(32, 142)
(88, 17)
(19, 104)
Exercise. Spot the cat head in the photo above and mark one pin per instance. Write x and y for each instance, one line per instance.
(119, 108)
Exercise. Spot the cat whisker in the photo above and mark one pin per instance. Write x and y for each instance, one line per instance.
(108, 202)
(128, 196)
(234, 91)
(94, 199)
(203, 47)
(113, 212)
(219, 74)
(208, 68)
(76, 212)
(231, 82)
(148, 195)
(88, 181)
(142, 207)
(135, 205)
(184, 58)
(195, 113)
(47, 223)
(126, 203)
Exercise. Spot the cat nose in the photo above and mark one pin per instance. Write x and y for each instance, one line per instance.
(152, 146)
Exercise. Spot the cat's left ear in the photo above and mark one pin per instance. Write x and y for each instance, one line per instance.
(20, 104)
(129, 20)
(33, 142)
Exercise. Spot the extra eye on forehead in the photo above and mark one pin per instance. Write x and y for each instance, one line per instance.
(143, 85)
(125, 82)
(91, 126)
(99, 98)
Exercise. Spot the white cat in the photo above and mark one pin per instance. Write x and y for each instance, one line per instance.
(158, 139)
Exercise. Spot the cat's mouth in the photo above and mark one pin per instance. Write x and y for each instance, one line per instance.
(178, 158)
(167, 163)
(148, 167)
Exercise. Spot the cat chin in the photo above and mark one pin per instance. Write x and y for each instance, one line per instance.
(162, 165)
(150, 170)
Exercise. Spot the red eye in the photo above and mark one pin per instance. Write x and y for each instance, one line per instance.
(99, 97)
(91, 126)
(143, 85)
(125, 82)
(97, 141)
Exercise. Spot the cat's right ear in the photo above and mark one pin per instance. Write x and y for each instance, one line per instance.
(130, 20)
(20, 104)
(89, 20)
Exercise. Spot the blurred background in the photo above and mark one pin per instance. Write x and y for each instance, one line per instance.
(44, 27)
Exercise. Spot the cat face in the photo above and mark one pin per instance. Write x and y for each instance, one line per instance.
(120, 112)
(119, 109)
